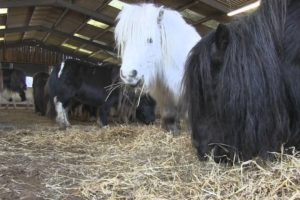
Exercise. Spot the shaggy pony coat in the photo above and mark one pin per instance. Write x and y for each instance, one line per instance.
(241, 87)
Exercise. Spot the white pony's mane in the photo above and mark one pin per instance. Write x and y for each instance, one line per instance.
(136, 23)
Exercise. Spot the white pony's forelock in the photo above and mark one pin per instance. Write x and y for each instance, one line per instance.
(133, 25)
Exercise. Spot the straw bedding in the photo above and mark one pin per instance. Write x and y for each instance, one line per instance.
(39, 161)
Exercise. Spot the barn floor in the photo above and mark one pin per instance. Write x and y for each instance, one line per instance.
(39, 161)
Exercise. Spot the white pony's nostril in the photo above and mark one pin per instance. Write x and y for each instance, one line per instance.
(133, 74)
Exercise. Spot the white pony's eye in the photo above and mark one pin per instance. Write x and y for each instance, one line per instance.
(149, 40)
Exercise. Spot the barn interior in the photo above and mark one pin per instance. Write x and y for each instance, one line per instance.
(36, 35)
(43, 33)
(40, 161)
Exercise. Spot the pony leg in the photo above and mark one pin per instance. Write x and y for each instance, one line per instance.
(62, 117)
(103, 113)
(170, 120)
(14, 103)
(168, 105)
(22, 95)
(7, 103)
(36, 109)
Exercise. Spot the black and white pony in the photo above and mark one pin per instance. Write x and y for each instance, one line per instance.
(14, 81)
(84, 83)
(76, 82)
(241, 85)
(154, 43)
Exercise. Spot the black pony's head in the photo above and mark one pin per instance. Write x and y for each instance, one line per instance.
(17, 80)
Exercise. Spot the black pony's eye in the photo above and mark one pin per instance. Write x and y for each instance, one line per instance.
(149, 40)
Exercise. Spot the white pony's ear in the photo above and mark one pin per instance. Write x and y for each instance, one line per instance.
(160, 15)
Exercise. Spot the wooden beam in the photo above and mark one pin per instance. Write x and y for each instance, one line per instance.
(222, 18)
(217, 5)
(95, 53)
(54, 31)
(49, 47)
(28, 20)
(25, 3)
(99, 34)
(21, 29)
(95, 38)
(203, 30)
(56, 24)
(76, 30)
(188, 5)
(85, 11)
(57, 3)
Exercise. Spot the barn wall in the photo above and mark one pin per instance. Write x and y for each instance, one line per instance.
(31, 55)
(29, 69)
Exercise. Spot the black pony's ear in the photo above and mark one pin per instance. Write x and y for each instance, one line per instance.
(222, 37)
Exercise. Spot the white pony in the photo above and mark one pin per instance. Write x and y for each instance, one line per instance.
(154, 43)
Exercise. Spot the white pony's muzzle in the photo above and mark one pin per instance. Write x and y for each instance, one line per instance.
(130, 78)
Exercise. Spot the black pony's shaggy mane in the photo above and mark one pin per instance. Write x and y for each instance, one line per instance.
(249, 104)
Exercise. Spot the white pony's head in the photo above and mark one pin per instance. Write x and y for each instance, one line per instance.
(138, 39)
(152, 40)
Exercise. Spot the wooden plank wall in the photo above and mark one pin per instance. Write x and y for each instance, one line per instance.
(31, 55)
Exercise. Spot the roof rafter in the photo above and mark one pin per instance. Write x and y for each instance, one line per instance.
(26, 3)
(29, 42)
(216, 4)
(57, 3)
(28, 20)
(56, 24)
(98, 35)
(46, 29)
(188, 5)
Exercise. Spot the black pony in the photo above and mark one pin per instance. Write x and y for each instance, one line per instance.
(40, 100)
(14, 80)
(241, 85)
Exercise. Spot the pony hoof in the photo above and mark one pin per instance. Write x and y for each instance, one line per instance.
(101, 125)
(62, 128)
(175, 132)
(173, 129)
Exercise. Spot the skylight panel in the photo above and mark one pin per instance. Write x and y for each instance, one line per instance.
(3, 11)
(117, 4)
(69, 46)
(81, 36)
(97, 24)
(85, 51)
